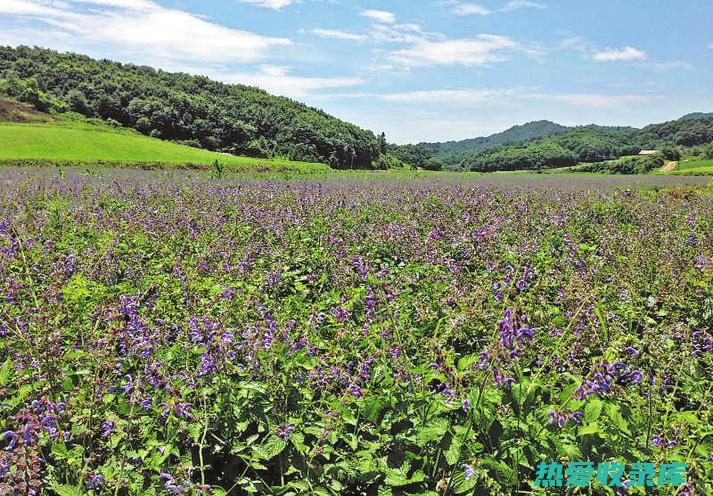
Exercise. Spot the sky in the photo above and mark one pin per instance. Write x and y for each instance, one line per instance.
(418, 70)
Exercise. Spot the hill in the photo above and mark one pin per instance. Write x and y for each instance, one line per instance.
(593, 144)
(454, 152)
(30, 136)
(696, 115)
(235, 119)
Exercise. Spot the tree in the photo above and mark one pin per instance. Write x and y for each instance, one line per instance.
(383, 145)
(78, 102)
(670, 153)
(708, 151)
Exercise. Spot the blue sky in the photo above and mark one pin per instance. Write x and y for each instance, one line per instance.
(431, 70)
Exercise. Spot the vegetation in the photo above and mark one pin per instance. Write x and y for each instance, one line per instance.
(81, 142)
(171, 335)
(688, 131)
(452, 154)
(552, 145)
(416, 156)
(540, 155)
(694, 167)
(235, 119)
(627, 165)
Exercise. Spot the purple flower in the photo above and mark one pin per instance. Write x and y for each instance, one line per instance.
(11, 438)
(631, 351)
(468, 472)
(466, 405)
(183, 410)
(557, 418)
(107, 427)
(285, 431)
(207, 365)
(356, 391)
(512, 335)
(635, 377)
(95, 482)
(341, 314)
(171, 484)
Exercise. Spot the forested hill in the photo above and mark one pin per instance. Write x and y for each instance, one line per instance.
(453, 152)
(593, 144)
(545, 144)
(193, 110)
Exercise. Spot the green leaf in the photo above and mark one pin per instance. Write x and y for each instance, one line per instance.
(433, 431)
(397, 478)
(5, 373)
(462, 486)
(602, 323)
(453, 452)
(500, 470)
(271, 448)
(593, 410)
(614, 413)
(372, 408)
(592, 428)
(66, 490)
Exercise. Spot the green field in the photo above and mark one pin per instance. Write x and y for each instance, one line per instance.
(84, 142)
(694, 168)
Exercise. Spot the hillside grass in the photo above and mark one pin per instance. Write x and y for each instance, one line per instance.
(695, 167)
(86, 142)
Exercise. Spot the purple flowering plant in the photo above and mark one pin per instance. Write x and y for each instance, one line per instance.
(161, 333)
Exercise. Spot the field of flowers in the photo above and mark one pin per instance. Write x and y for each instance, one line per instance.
(172, 334)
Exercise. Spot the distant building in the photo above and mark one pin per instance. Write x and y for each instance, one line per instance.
(647, 152)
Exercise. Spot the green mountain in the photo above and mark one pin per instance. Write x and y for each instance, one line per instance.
(454, 152)
(690, 130)
(696, 115)
(543, 144)
(195, 110)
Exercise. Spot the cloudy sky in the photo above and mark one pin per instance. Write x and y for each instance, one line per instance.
(417, 69)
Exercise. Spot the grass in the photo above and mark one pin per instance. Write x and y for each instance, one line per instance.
(694, 168)
(86, 142)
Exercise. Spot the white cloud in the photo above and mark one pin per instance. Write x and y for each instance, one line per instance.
(140, 29)
(602, 101)
(270, 4)
(469, 8)
(502, 96)
(454, 96)
(466, 9)
(619, 55)
(380, 16)
(127, 4)
(482, 49)
(278, 80)
(334, 34)
(384, 29)
(678, 65)
(522, 4)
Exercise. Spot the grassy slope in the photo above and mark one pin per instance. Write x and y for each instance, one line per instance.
(694, 167)
(88, 142)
